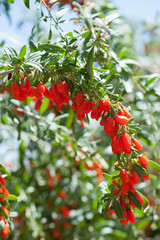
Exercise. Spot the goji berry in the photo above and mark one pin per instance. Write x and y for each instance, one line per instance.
(126, 143)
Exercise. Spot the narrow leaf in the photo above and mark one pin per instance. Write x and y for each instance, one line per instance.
(23, 51)
(44, 105)
(154, 165)
(89, 66)
(12, 197)
(26, 2)
(70, 119)
(135, 200)
(61, 13)
(107, 176)
(118, 209)
(51, 48)
(139, 169)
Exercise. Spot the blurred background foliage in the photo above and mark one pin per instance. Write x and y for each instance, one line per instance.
(57, 163)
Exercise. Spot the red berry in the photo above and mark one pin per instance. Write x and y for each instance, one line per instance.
(126, 112)
(56, 234)
(79, 97)
(111, 213)
(126, 143)
(118, 145)
(5, 191)
(65, 212)
(41, 88)
(63, 195)
(125, 188)
(132, 204)
(109, 125)
(146, 177)
(2, 181)
(5, 231)
(48, 94)
(116, 191)
(130, 215)
(137, 144)
(121, 119)
(114, 182)
(144, 161)
(134, 178)
(132, 189)
(139, 197)
(124, 176)
(5, 210)
(121, 202)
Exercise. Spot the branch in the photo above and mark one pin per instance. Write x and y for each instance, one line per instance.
(14, 70)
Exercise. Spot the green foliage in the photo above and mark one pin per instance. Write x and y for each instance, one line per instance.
(53, 153)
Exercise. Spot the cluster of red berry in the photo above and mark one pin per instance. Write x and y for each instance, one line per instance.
(114, 119)
(5, 194)
(57, 93)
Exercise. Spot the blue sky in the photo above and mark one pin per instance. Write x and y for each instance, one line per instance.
(133, 9)
(139, 9)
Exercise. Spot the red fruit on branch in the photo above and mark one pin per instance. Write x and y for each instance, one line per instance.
(124, 176)
(126, 143)
(79, 97)
(63, 195)
(109, 125)
(137, 144)
(144, 161)
(40, 88)
(130, 216)
(5, 210)
(111, 213)
(125, 188)
(48, 94)
(132, 189)
(121, 119)
(134, 178)
(116, 191)
(118, 145)
(132, 204)
(146, 177)
(114, 182)
(5, 231)
(126, 112)
(139, 197)
(2, 181)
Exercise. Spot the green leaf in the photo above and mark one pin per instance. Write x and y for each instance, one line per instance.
(61, 13)
(26, 2)
(143, 223)
(35, 65)
(111, 17)
(51, 48)
(107, 176)
(118, 209)
(23, 51)
(3, 170)
(12, 197)
(154, 165)
(70, 119)
(89, 66)
(135, 200)
(139, 169)
(44, 106)
(10, 1)
(2, 223)
(145, 204)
